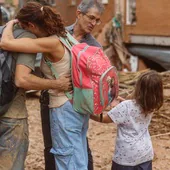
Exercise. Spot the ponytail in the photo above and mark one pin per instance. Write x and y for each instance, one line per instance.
(45, 17)
(52, 22)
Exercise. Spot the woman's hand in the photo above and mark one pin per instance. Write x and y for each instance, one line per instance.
(12, 22)
(7, 35)
(114, 103)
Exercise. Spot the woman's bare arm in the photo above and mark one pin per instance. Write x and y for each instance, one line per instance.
(27, 45)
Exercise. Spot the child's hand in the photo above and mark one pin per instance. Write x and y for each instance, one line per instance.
(121, 99)
(114, 103)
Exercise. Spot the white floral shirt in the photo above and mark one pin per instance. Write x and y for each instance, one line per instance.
(133, 142)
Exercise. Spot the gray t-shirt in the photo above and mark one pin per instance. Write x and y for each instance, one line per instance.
(133, 142)
(18, 108)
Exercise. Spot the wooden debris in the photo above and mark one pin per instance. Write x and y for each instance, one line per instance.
(160, 124)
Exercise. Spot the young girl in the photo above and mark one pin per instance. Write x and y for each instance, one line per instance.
(133, 150)
(68, 128)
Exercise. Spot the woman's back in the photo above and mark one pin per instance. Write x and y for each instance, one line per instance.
(61, 67)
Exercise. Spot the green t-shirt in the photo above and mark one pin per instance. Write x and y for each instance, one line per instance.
(18, 108)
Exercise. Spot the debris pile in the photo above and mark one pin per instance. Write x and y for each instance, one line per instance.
(161, 120)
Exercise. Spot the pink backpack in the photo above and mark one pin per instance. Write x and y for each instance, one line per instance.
(95, 80)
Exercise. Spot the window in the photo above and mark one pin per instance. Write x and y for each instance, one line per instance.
(105, 1)
(131, 12)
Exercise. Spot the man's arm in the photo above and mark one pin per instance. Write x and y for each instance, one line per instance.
(25, 64)
(25, 79)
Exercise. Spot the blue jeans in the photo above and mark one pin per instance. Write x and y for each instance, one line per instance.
(68, 131)
(49, 157)
(13, 143)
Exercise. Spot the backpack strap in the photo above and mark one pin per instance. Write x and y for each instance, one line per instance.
(2, 57)
(6, 56)
(55, 74)
(68, 45)
(3, 61)
(69, 41)
(1, 29)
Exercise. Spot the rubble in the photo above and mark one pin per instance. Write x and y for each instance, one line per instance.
(160, 123)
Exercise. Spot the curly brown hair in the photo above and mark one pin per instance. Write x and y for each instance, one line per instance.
(149, 92)
(45, 17)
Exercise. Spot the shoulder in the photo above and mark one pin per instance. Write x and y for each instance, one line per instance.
(70, 27)
(92, 41)
(20, 33)
(125, 103)
(122, 106)
(121, 113)
(125, 106)
(53, 41)
(26, 59)
(129, 104)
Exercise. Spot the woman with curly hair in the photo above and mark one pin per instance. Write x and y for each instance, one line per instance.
(68, 128)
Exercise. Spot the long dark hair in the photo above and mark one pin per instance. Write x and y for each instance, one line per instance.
(45, 17)
(149, 92)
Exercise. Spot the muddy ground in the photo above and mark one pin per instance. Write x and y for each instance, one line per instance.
(101, 137)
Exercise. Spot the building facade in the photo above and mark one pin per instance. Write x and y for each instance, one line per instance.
(146, 29)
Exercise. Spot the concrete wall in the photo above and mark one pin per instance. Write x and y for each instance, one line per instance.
(2, 1)
(153, 18)
(15, 2)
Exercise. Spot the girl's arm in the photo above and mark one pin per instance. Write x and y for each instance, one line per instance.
(27, 45)
(105, 118)
(101, 118)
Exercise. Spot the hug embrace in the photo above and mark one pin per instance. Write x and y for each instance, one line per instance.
(69, 126)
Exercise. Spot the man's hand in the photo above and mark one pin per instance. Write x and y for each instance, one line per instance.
(65, 83)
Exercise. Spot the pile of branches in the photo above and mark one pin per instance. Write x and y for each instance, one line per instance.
(127, 81)
(160, 124)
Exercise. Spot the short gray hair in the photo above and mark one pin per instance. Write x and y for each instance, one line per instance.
(85, 5)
